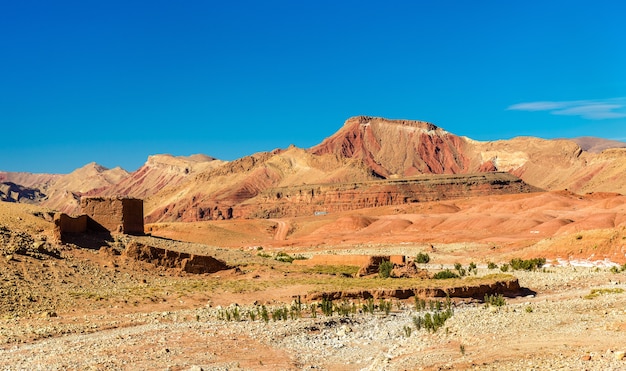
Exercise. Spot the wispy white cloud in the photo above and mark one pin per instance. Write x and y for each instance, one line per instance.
(589, 109)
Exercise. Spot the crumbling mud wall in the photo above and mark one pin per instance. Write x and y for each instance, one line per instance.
(122, 215)
(189, 263)
(66, 224)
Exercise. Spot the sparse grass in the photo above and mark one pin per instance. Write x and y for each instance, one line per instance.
(618, 269)
(495, 300)
(597, 292)
(462, 349)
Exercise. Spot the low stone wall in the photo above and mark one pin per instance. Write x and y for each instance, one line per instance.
(189, 263)
(67, 224)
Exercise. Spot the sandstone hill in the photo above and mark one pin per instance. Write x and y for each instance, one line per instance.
(158, 172)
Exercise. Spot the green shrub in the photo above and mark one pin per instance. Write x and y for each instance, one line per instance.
(504, 268)
(528, 264)
(422, 258)
(445, 274)
(495, 300)
(492, 265)
(385, 268)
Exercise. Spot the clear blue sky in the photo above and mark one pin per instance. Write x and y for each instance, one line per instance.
(116, 81)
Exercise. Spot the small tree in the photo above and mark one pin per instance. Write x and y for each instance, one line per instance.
(422, 258)
(385, 268)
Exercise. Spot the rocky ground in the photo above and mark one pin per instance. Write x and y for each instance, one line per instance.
(67, 307)
(561, 327)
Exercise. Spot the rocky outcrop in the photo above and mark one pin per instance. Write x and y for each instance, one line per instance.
(307, 200)
(506, 287)
(196, 264)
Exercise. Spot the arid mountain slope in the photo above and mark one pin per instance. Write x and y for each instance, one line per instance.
(597, 145)
(158, 172)
(399, 148)
(556, 164)
(212, 193)
(31, 180)
(64, 193)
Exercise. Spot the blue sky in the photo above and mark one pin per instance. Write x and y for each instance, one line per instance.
(116, 81)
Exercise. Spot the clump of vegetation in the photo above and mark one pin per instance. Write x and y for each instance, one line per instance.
(529, 309)
(492, 265)
(432, 321)
(459, 268)
(286, 258)
(407, 331)
(472, 268)
(385, 269)
(527, 264)
(495, 300)
(462, 349)
(445, 274)
(618, 269)
(597, 292)
(422, 258)
(504, 268)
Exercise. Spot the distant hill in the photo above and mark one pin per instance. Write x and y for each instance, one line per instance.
(597, 145)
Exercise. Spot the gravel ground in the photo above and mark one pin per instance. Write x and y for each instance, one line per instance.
(556, 329)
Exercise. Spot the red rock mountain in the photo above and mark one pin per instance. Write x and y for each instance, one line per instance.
(399, 148)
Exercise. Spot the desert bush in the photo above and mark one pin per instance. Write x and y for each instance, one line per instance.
(495, 300)
(492, 265)
(422, 258)
(597, 292)
(527, 264)
(407, 331)
(420, 304)
(327, 306)
(385, 268)
(504, 268)
(283, 257)
(445, 274)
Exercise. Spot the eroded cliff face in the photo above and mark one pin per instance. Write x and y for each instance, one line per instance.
(321, 198)
(399, 148)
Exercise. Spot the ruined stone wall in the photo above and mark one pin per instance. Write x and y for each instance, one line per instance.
(122, 215)
(67, 224)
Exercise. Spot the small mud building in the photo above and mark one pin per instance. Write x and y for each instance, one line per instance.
(118, 215)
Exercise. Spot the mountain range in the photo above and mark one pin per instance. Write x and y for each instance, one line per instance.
(364, 149)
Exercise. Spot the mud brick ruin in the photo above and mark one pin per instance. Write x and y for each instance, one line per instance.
(115, 215)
